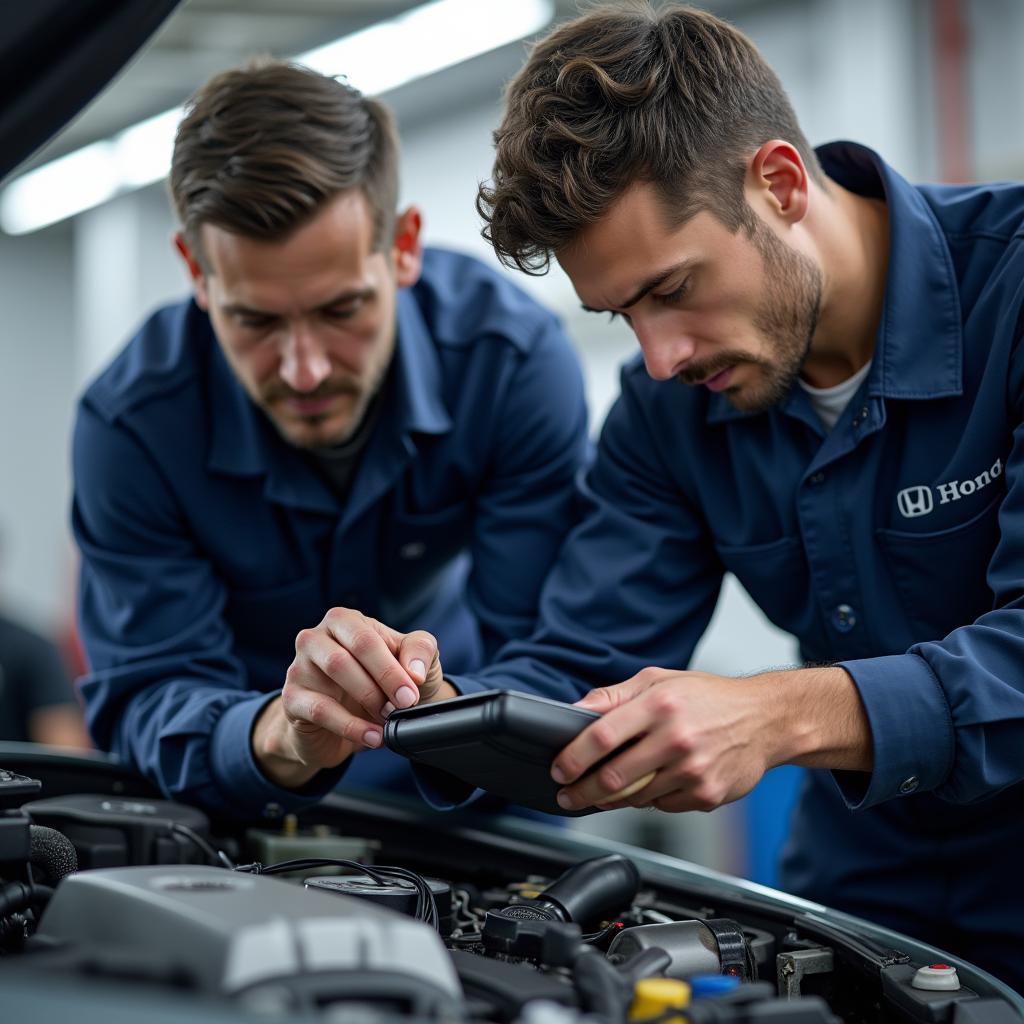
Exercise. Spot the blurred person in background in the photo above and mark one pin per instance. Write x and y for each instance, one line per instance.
(828, 401)
(340, 427)
(37, 699)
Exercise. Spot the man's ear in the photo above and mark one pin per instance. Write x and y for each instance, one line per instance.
(778, 177)
(407, 247)
(195, 270)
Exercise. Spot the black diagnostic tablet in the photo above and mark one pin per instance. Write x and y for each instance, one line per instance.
(499, 740)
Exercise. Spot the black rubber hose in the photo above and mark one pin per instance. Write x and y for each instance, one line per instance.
(648, 963)
(15, 896)
(602, 990)
(593, 889)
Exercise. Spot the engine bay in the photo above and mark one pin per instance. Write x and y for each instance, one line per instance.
(367, 910)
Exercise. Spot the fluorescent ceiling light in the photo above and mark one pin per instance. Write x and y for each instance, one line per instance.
(391, 53)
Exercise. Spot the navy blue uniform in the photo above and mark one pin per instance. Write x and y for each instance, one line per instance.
(208, 542)
(892, 545)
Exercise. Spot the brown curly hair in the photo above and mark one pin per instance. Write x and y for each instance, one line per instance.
(625, 93)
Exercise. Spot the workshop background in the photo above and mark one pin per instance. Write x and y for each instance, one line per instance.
(85, 246)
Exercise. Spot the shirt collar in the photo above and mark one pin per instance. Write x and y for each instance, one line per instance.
(919, 347)
(243, 442)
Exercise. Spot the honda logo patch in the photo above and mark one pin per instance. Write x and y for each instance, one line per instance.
(919, 501)
(915, 501)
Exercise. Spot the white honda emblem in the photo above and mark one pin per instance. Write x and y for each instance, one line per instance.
(915, 501)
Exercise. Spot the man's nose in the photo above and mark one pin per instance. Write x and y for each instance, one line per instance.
(665, 345)
(304, 362)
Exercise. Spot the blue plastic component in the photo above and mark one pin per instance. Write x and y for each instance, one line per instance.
(707, 986)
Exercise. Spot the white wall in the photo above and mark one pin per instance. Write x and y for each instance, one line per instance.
(995, 31)
(37, 356)
(124, 267)
(853, 71)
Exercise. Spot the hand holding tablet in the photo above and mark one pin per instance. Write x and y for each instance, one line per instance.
(499, 740)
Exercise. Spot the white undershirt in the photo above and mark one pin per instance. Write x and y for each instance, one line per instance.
(830, 402)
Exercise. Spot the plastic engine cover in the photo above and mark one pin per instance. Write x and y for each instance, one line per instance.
(232, 932)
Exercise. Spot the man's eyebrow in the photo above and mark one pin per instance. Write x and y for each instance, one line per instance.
(240, 308)
(649, 285)
(349, 295)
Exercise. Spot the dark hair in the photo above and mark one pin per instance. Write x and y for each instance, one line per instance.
(263, 147)
(626, 93)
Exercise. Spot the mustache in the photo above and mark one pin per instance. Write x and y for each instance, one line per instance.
(711, 367)
(279, 391)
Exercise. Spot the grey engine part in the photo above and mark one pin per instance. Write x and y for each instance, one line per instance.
(256, 938)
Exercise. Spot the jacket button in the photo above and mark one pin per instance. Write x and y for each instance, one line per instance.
(909, 785)
(860, 417)
(816, 478)
(844, 618)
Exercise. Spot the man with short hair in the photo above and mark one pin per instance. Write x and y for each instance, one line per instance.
(829, 405)
(340, 423)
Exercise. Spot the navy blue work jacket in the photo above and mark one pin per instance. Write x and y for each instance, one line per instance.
(208, 542)
(892, 545)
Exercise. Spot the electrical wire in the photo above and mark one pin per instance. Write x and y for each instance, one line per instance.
(468, 924)
(218, 858)
(426, 904)
(596, 938)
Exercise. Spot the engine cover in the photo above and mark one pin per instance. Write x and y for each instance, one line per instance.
(234, 933)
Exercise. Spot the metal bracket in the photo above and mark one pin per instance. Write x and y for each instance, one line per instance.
(792, 968)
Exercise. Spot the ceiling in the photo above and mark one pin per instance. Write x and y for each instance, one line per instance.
(202, 37)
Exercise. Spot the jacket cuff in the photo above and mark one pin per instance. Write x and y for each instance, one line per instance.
(911, 730)
(245, 790)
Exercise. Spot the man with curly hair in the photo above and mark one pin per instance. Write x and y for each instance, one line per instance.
(828, 402)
